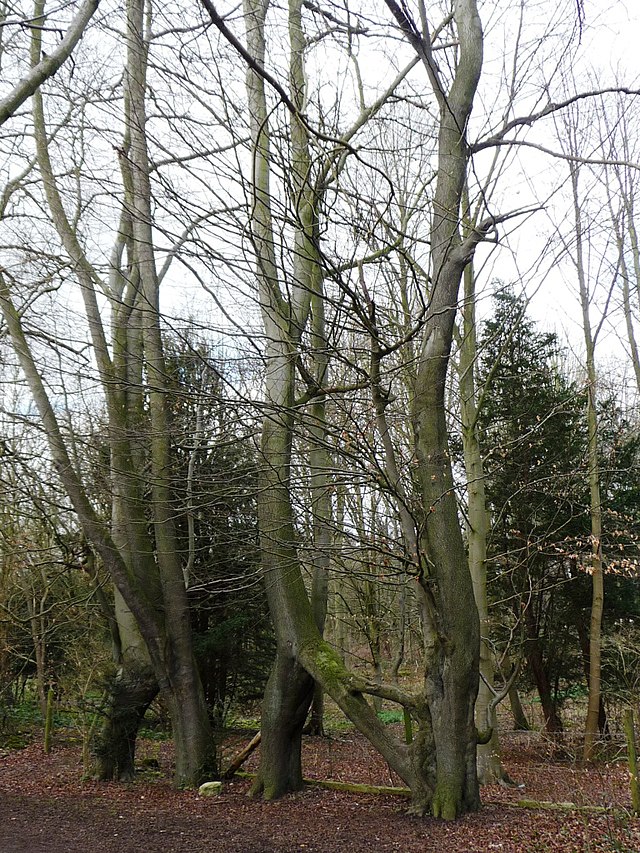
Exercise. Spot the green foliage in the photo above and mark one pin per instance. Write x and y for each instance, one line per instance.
(215, 499)
(534, 440)
(17, 721)
(532, 432)
(533, 436)
(388, 717)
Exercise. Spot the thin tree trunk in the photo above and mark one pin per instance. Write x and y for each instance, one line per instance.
(595, 505)
(488, 756)
(400, 631)
(583, 636)
(552, 721)
(520, 721)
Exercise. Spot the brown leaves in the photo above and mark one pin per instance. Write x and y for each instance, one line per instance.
(45, 807)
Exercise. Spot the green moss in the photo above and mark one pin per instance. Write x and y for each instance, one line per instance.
(330, 667)
(447, 801)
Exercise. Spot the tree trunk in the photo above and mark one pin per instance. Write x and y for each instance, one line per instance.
(289, 690)
(552, 721)
(451, 678)
(400, 632)
(131, 692)
(285, 706)
(520, 722)
(583, 636)
(595, 499)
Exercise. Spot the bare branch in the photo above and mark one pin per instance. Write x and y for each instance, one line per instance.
(48, 65)
(551, 108)
(569, 158)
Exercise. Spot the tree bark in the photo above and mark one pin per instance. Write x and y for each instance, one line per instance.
(595, 500)
(520, 721)
(131, 692)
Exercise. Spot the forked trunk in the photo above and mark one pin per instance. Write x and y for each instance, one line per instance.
(439, 766)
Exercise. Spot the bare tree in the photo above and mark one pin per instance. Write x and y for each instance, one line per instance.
(144, 563)
(48, 64)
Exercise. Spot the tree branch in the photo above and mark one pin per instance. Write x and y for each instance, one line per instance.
(48, 65)
(526, 121)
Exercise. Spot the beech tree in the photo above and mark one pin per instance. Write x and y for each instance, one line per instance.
(440, 764)
(141, 554)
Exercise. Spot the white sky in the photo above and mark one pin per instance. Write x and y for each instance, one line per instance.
(609, 52)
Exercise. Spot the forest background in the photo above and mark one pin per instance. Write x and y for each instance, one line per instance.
(274, 385)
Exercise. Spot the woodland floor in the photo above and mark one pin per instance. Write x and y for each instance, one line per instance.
(46, 807)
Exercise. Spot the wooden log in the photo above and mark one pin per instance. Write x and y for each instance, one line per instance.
(560, 807)
(358, 788)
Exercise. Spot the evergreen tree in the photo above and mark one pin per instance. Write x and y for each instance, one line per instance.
(533, 439)
(215, 507)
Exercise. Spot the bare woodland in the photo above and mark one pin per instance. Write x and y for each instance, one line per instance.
(271, 372)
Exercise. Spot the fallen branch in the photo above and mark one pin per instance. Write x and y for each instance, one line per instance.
(242, 756)
(358, 788)
(560, 807)
(349, 787)
(387, 790)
